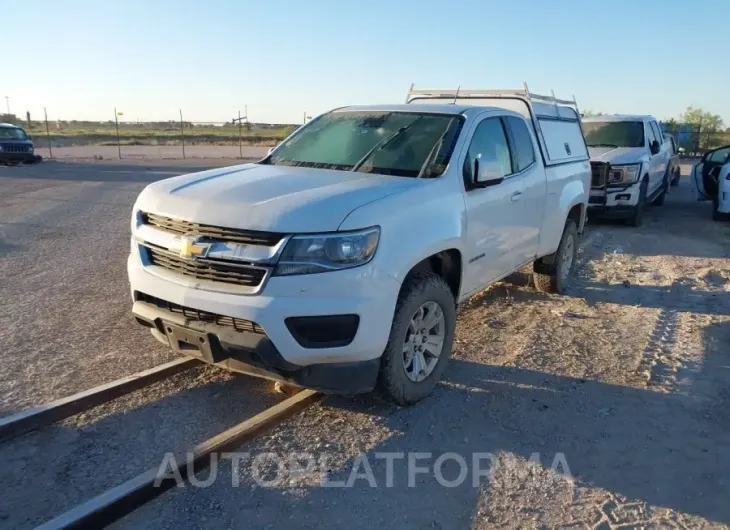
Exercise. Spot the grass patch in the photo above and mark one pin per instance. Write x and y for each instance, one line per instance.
(105, 134)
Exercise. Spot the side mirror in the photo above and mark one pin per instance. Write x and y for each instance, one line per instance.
(654, 147)
(487, 173)
(271, 149)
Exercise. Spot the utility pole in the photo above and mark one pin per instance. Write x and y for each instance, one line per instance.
(7, 103)
(240, 122)
(182, 133)
(116, 123)
(48, 134)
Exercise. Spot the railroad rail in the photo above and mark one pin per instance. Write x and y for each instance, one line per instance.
(115, 503)
(37, 417)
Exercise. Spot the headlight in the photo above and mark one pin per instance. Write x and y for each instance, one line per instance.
(1, 148)
(30, 149)
(308, 254)
(628, 174)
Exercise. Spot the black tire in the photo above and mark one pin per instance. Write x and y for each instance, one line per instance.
(659, 200)
(676, 177)
(637, 217)
(546, 273)
(393, 382)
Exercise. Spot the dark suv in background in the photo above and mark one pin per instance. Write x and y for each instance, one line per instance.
(16, 146)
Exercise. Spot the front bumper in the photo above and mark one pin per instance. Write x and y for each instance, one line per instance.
(252, 353)
(365, 291)
(614, 200)
(11, 157)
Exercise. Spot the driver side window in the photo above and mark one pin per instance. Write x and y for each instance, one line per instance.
(657, 133)
(650, 136)
(489, 147)
(719, 156)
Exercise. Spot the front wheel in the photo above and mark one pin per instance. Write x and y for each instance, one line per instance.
(420, 339)
(637, 216)
(552, 273)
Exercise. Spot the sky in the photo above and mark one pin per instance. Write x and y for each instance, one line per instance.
(209, 58)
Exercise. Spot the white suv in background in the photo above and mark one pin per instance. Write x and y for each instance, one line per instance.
(337, 261)
(630, 160)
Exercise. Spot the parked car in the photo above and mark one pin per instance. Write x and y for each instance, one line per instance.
(16, 146)
(630, 160)
(675, 170)
(711, 181)
(337, 261)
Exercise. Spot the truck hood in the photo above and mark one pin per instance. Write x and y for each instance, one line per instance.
(617, 155)
(269, 198)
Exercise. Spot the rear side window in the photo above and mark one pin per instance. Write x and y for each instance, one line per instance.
(524, 151)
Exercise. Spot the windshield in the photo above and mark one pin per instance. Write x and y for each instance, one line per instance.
(12, 133)
(404, 144)
(614, 133)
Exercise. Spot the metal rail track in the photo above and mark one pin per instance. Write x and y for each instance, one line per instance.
(37, 417)
(115, 503)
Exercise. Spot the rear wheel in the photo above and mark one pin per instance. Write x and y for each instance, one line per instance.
(552, 273)
(420, 339)
(637, 216)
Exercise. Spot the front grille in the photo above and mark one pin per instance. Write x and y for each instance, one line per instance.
(238, 324)
(207, 269)
(187, 228)
(599, 171)
(10, 148)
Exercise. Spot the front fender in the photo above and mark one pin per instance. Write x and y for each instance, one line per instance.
(414, 225)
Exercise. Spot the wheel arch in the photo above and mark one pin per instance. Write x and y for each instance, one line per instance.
(447, 263)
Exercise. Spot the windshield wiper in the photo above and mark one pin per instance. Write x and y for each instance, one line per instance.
(602, 145)
(435, 150)
(382, 144)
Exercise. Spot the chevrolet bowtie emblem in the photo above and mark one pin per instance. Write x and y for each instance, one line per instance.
(190, 249)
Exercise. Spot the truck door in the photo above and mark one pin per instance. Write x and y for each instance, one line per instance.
(705, 173)
(531, 203)
(655, 159)
(665, 152)
(494, 221)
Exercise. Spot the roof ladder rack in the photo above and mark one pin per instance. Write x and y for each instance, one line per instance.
(490, 93)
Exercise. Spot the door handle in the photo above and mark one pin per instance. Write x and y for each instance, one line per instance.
(516, 196)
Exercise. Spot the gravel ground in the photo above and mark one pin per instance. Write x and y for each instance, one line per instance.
(605, 408)
(66, 327)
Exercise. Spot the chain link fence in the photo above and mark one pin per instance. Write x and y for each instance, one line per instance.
(694, 142)
(119, 138)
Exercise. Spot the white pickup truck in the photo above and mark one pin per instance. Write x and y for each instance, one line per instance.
(337, 262)
(631, 162)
